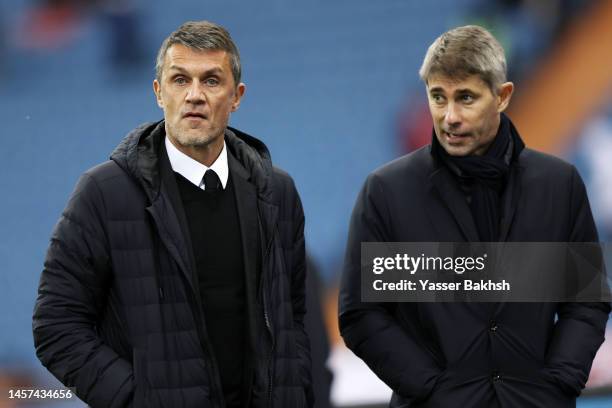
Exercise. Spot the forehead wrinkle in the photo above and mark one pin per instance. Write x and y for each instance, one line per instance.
(182, 58)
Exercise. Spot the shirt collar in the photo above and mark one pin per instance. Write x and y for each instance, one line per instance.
(192, 169)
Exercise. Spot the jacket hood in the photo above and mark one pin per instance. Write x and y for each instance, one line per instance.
(138, 154)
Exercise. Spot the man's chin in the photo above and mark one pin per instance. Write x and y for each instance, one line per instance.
(195, 138)
(457, 151)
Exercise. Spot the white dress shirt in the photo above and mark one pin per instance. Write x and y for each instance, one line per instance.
(193, 170)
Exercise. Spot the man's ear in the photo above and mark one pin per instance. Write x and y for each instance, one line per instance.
(157, 90)
(505, 94)
(240, 89)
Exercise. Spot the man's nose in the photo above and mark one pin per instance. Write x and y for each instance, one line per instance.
(195, 93)
(452, 115)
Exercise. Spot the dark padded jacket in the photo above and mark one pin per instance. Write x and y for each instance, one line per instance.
(118, 315)
(472, 354)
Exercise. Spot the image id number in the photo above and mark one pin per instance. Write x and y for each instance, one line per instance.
(39, 394)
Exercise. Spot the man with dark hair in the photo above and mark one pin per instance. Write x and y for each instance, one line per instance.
(175, 275)
(476, 182)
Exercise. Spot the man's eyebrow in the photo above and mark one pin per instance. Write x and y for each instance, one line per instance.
(436, 89)
(466, 90)
(213, 70)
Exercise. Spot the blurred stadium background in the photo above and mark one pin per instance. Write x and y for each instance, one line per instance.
(332, 88)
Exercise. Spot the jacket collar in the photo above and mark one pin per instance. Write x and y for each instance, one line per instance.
(140, 151)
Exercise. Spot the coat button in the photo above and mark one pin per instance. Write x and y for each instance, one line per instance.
(496, 377)
(493, 326)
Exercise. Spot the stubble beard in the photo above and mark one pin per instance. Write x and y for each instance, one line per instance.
(192, 137)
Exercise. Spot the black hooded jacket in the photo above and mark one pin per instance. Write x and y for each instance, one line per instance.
(118, 314)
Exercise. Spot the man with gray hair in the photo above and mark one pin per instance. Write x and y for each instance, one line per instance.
(475, 182)
(175, 275)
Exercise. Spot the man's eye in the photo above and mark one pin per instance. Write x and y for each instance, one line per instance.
(467, 98)
(180, 81)
(212, 82)
(437, 98)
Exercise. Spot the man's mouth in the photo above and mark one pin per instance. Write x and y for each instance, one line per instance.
(194, 115)
(455, 137)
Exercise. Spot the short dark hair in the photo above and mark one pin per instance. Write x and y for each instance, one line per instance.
(465, 51)
(201, 35)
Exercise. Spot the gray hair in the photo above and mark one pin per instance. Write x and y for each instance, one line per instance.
(201, 35)
(465, 51)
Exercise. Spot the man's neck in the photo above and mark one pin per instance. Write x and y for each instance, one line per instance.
(203, 154)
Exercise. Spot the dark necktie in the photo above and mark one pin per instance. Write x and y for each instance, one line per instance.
(211, 181)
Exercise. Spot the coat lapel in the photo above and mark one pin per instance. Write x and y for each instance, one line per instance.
(258, 218)
(246, 203)
(171, 221)
(166, 221)
(269, 217)
(452, 197)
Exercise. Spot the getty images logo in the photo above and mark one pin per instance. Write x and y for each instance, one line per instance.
(413, 264)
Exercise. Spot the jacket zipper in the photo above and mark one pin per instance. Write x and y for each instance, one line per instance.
(268, 324)
(270, 359)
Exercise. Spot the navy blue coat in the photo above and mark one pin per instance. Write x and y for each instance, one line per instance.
(118, 314)
(470, 354)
